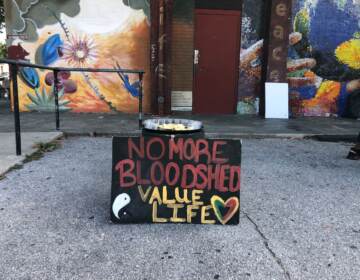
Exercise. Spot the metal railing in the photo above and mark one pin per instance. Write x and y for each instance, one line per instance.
(14, 69)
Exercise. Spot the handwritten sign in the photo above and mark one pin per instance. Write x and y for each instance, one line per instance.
(175, 180)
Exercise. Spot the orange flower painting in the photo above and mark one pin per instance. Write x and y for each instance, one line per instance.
(109, 36)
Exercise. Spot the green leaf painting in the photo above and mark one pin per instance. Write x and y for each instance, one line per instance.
(302, 22)
(45, 102)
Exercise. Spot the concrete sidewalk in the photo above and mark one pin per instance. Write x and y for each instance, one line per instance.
(8, 158)
(233, 126)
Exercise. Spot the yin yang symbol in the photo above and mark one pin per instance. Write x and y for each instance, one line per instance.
(120, 202)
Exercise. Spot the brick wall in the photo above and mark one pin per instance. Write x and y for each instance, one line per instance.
(182, 55)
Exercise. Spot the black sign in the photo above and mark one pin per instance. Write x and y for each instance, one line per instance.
(175, 180)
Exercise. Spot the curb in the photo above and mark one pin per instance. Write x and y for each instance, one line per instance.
(20, 159)
(299, 136)
(351, 138)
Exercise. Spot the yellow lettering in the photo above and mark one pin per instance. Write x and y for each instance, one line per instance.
(175, 218)
(165, 196)
(155, 217)
(190, 212)
(155, 196)
(143, 195)
(281, 9)
(276, 54)
(183, 199)
(275, 76)
(278, 32)
(204, 214)
(196, 197)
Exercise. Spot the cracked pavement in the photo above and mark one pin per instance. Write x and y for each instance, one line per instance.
(300, 219)
(266, 244)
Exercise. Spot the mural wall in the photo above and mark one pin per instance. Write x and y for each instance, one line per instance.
(80, 33)
(251, 56)
(324, 55)
(323, 65)
(324, 60)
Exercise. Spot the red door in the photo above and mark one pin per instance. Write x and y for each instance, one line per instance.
(216, 70)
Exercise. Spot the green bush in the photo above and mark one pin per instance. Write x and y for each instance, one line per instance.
(3, 51)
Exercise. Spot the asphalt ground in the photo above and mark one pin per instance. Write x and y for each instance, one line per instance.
(300, 219)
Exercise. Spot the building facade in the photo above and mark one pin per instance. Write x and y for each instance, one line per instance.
(202, 56)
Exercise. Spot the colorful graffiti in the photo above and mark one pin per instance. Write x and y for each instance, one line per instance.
(323, 64)
(324, 69)
(250, 57)
(77, 33)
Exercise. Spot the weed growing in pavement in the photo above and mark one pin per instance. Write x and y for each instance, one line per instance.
(41, 149)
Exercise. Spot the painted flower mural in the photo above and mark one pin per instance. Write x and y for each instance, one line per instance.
(45, 102)
(324, 68)
(76, 33)
(49, 50)
(30, 77)
(251, 57)
(65, 83)
(348, 53)
(325, 79)
(28, 16)
(323, 63)
(79, 51)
